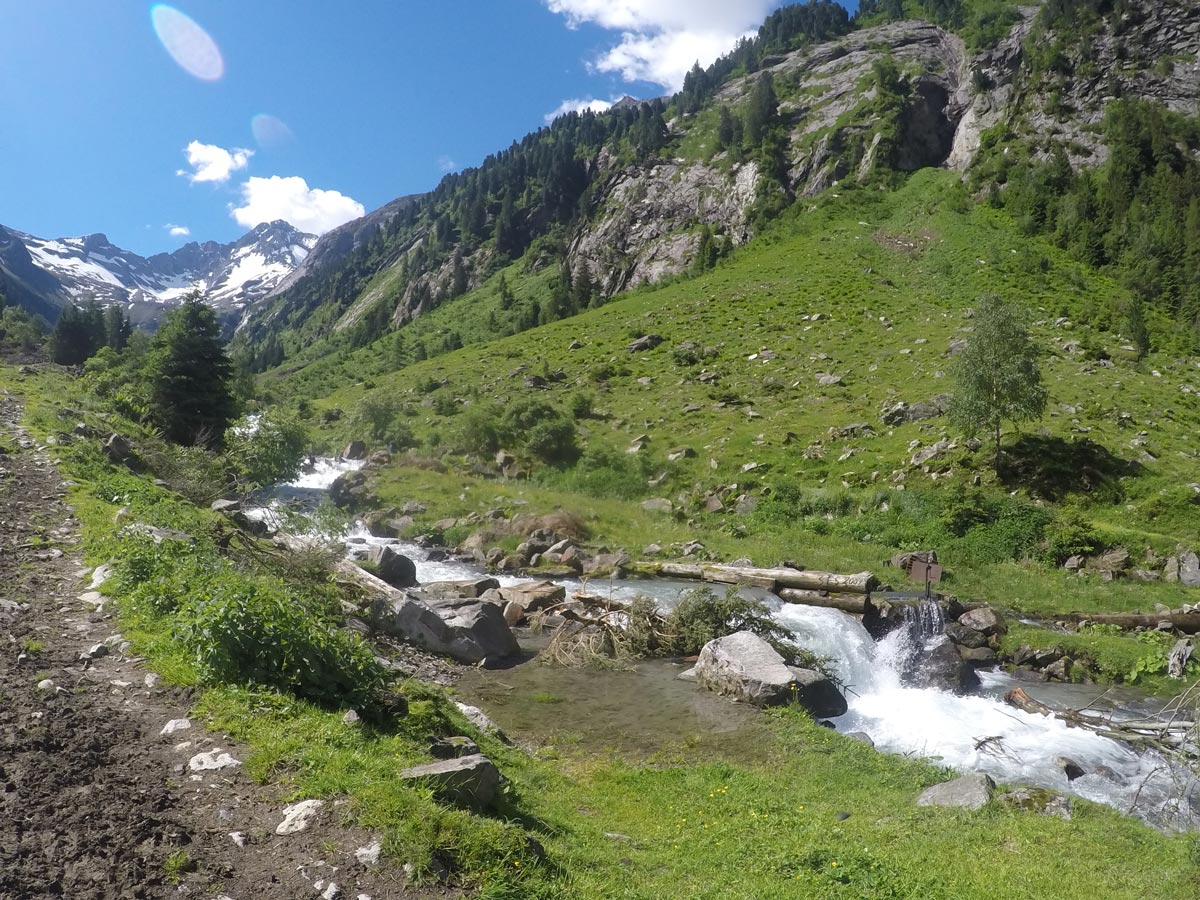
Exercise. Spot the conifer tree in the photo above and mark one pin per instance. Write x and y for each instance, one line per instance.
(190, 376)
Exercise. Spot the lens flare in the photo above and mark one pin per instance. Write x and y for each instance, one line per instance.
(270, 131)
(188, 44)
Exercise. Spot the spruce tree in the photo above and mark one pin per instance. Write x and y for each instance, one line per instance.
(763, 109)
(191, 377)
(116, 327)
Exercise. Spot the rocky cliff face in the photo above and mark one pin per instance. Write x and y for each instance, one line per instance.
(842, 123)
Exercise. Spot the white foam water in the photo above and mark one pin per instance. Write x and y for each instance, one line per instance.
(980, 733)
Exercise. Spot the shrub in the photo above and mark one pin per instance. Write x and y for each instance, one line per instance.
(1071, 535)
(244, 630)
(701, 616)
(266, 452)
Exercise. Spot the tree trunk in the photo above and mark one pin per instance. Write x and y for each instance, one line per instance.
(998, 447)
(1188, 623)
(854, 604)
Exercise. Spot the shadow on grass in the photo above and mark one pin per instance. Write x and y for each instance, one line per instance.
(1052, 468)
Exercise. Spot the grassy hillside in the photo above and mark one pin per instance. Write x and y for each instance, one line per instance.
(867, 286)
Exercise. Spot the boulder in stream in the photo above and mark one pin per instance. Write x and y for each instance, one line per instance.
(747, 668)
(942, 668)
(393, 567)
(355, 450)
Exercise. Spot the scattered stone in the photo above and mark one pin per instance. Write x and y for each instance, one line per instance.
(1039, 800)
(369, 855)
(534, 596)
(355, 450)
(979, 657)
(351, 718)
(453, 748)
(175, 726)
(966, 792)
(332, 892)
(1070, 768)
(1189, 570)
(46, 685)
(659, 505)
(829, 380)
(645, 343)
(151, 680)
(469, 781)
(861, 736)
(212, 761)
(298, 816)
(100, 575)
(238, 837)
(92, 598)
(96, 651)
(1059, 670)
(479, 719)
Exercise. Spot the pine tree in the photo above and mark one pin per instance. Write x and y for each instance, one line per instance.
(725, 130)
(763, 110)
(74, 338)
(506, 295)
(116, 327)
(997, 375)
(190, 376)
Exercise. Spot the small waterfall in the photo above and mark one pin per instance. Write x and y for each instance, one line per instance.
(925, 619)
(980, 733)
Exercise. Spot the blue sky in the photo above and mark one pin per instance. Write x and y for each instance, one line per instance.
(103, 129)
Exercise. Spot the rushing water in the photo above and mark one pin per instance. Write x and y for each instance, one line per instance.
(980, 732)
(977, 733)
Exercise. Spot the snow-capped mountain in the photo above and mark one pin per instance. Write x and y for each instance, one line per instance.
(231, 276)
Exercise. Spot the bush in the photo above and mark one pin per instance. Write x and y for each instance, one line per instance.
(702, 616)
(479, 429)
(253, 631)
(1071, 535)
(266, 452)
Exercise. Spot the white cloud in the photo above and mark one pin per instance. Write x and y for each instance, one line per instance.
(447, 165)
(178, 230)
(662, 39)
(596, 106)
(291, 199)
(212, 163)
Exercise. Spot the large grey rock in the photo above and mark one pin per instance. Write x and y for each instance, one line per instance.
(355, 450)
(1189, 570)
(469, 781)
(472, 588)
(534, 596)
(470, 633)
(393, 567)
(984, 620)
(745, 667)
(967, 792)
(349, 490)
(479, 630)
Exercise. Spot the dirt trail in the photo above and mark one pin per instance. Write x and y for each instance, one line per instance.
(95, 803)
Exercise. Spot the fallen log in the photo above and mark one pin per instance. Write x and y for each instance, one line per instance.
(680, 570)
(777, 579)
(853, 604)
(1187, 623)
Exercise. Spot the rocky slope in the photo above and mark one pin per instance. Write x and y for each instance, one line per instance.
(46, 274)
